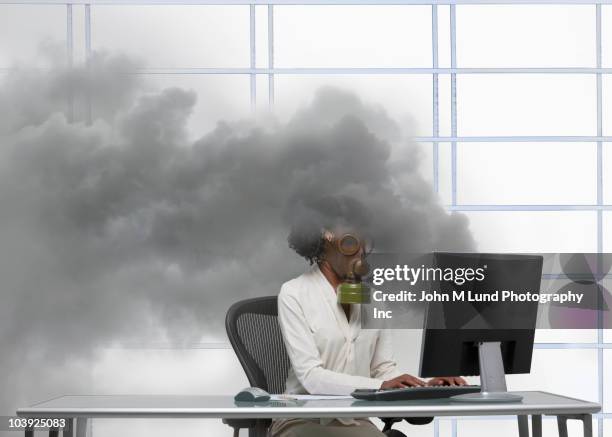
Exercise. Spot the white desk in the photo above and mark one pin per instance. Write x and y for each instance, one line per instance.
(77, 409)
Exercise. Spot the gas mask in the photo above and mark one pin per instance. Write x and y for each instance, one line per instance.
(347, 259)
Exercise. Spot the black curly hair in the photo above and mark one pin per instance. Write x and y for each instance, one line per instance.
(310, 218)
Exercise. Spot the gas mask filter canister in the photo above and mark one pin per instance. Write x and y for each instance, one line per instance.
(352, 251)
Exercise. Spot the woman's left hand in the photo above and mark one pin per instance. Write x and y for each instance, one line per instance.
(447, 380)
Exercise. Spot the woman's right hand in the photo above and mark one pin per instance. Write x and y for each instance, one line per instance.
(403, 381)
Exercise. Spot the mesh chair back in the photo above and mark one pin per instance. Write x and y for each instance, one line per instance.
(253, 330)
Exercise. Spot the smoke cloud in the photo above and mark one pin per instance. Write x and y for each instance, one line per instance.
(127, 230)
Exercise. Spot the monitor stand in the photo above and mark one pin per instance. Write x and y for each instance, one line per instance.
(492, 377)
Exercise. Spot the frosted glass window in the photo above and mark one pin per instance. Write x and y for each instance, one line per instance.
(534, 231)
(526, 36)
(606, 108)
(208, 36)
(484, 427)
(261, 36)
(506, 426)
(262, 95)
(607, 231)
(444, 105)
(526, 173)
(566, 336)
(526, 104)
(607, 389)
(606, 35)
(406, 99)
(607, 174)
(548, 368)
(444, 38)
(352, 36)
(444, 173)
(79, 45)
(445, 426)
(28, 31)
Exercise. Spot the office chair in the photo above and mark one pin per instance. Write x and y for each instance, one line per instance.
(254, 333)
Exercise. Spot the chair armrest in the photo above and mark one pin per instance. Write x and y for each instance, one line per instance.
(419, 420)
(256, 427)
(389, 421)
(240, 423)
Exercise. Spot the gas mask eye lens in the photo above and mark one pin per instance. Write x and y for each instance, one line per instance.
(349, 245)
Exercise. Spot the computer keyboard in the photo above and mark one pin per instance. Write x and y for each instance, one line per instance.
(414, 393)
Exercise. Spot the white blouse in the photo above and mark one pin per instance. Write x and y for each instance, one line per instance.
(329, 354)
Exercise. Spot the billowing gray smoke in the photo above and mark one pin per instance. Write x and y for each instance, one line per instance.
(127, 230)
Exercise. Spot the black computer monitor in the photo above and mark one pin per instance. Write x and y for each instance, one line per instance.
(488, 338)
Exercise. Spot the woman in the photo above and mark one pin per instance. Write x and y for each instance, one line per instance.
(329, 352)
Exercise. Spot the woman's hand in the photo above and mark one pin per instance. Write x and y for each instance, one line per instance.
(403, 381)
(447, 380)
